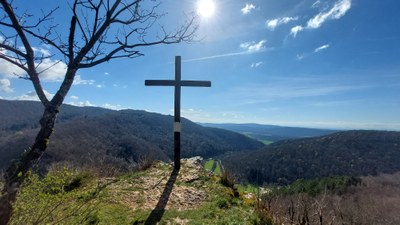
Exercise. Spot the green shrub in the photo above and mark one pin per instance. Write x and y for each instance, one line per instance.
(58, 198)
(222, 203)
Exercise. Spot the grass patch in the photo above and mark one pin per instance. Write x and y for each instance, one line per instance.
(213, 166)
(249, 188)
(209, 164)
(218, 170)
(74, 197)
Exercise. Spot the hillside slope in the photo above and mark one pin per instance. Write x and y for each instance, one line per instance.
(100, 138)
(157, 195)
(343, 153)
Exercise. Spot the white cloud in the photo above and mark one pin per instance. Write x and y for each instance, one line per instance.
(248, 8)
(106, 73)
(5, 86)
(42, 51)
(113, 107)
(296, 30)
(73, 97)
(253, 46)
(32, 96)
(255, 65)
(48, 69)
(272, 24)
(99, 86)
(339, 9)
(81, 103)
(52, 70)
(79, 81)
(321, 48)
(9, 70)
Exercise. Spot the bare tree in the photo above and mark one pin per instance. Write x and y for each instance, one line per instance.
(99, 31)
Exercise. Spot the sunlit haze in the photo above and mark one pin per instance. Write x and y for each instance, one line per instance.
(205, 8)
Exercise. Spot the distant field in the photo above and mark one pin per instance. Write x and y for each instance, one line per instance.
(213, 166)
(266, 142)
(258, 137)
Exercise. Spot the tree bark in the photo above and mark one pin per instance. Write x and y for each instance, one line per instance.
(18, 169)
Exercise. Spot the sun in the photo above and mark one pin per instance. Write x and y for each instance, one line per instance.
(205, 8)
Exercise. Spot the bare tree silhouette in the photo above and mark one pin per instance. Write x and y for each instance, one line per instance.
(99, 31)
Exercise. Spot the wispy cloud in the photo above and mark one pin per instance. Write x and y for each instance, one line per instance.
(252, 47)
(280, 89)
(300, 56)
(217, 56)
(272, 24)
(338, 10)
(316, 4)
(304, 55)
(247, 8)
(248, 48)
(321, 48)
(79, 81)
(255, 65)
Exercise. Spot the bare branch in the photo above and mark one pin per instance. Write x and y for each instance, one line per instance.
(44, 18)
(14, 62)
(12, 49)
(50, 66)
(71, 39)
(29, 52)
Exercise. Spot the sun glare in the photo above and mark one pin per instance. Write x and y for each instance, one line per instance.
(205, 8)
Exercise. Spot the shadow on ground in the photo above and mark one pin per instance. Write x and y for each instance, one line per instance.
(158, 212)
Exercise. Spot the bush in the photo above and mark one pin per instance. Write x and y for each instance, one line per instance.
(63, 196)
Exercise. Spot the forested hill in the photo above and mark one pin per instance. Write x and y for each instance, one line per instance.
(342, 153)
(90, 135)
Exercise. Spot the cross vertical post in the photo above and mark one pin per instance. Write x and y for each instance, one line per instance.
(177, 115)
(177, 83)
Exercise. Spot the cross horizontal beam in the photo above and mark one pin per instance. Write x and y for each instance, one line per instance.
(190, 83)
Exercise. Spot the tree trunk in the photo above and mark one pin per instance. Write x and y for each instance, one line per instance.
(16, 172)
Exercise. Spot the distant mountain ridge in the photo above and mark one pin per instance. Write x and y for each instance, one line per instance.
(357, 153)
(97, 136)
(271, 132)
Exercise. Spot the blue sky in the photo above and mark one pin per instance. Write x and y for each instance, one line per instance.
(308, 63)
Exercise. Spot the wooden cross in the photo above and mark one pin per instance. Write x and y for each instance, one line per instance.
(177, 83)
